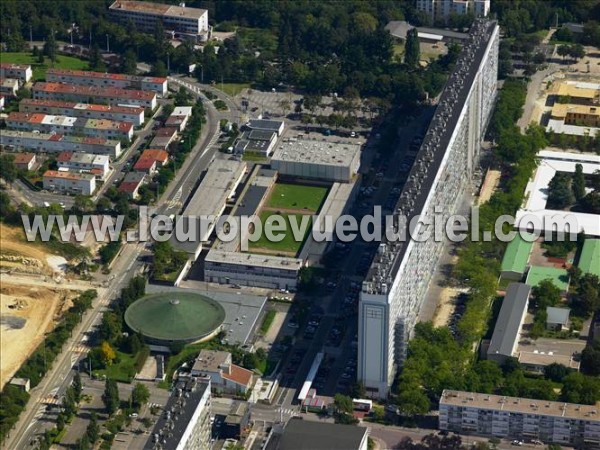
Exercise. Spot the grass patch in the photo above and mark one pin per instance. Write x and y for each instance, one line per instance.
(169, 277)
(232, 89)
(39, 70)
(258, 38)
(253, 156)
(220, 105)
(288, 244)
(267, 322)
(296, 196)
(122, 370)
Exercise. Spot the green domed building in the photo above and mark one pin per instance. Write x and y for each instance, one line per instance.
(172, 317)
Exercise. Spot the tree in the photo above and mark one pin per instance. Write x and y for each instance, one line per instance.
(413, 401)
(343, 409)
(77, 386)
(83, 204)
(60, 422)
(556, 372)
(139, 395)
(93, 430)
(560, 194)
(159, 69)
(129, 62)
(9, 170)
(412, 52)
(578, 183)
(108, 353)
(83, 443)
(111, 396)
(285, 106)
(96, 61)
(50, 47)
(590, 359)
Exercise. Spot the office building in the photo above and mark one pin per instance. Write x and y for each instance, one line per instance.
(397, 281)
(299, 434)
(312, 159)
(117, 80)
(69, 182)
(185, 422)
(508, 324)
(55, 143)
(133, 114)
(94, 94)
(47, 123)
(190, 23)
(441, 10)
(520, 418)
(97, 165)
(21, 72)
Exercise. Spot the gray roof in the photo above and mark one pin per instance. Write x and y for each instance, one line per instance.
(508, 324)
(574, 27)
(262, 124)
(184, 411)
(557, 315)
(301, 434)
(400, 28)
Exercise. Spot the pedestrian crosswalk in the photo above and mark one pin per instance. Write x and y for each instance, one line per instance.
(52, 398)
(78, 348)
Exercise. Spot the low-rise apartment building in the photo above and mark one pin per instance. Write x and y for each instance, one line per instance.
(97, 165)
(94, 94)
(133, 114)
(22, 72)
(579, 115)
(24, 161)
(9, 86)
(179, 117)
(47, 123)
(224, 375)
(520, 418)
(69, 182)
(55, 143)
(132, 183)
(117, 80)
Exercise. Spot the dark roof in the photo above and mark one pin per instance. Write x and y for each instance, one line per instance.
(440, 142)
(184, 411)
(574, 27)
(261, 124)
(506, 331)
(301, 434)
(400, 28)
(261, 135)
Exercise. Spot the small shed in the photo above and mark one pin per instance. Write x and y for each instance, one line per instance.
(557, 319)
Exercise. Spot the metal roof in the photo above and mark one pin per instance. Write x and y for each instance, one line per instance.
(557, 315)
(508, 324)
(517, 254)
(589, 260)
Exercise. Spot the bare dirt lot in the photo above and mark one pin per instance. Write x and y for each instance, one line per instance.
(27, 310)
(26, 313)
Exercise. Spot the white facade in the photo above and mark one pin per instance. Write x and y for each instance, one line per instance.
(55, 143)
(179, 19)
(9, 86)
(71, 182)
(330, 161)
(266, 271)
(20, 71)
(442, 9)
(121, 81)
(520, 418)
(87, 162)
(48, 123)
(395, 287)
(134, 115)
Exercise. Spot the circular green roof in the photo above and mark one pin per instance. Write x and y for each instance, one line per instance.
(175, 316)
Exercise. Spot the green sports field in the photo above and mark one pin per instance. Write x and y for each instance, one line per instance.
(39, 70)
(297, 196)
(288, 244)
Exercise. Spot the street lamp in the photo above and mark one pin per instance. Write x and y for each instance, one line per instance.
(73, 27)
(107, 44)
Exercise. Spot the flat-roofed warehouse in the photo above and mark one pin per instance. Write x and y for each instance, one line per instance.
(331, 161)
(210, 199)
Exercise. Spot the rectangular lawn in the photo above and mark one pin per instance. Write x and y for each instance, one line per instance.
(39, 70)
(297, 197)
(288, 244)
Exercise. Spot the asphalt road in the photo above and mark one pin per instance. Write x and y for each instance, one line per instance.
(125, 267)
